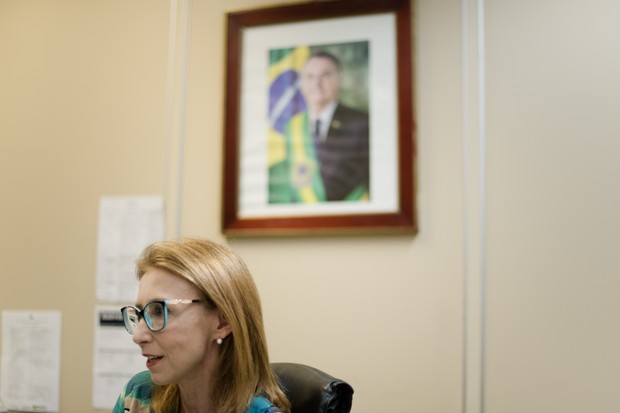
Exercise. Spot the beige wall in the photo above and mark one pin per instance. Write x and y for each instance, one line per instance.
(517, 198)
(553, 202)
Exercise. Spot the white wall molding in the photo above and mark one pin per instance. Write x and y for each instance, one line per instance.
(175, 112)
(474, 184)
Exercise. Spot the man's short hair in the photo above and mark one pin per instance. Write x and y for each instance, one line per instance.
(327, 55)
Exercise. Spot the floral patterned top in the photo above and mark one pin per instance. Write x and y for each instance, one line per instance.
(136, 398)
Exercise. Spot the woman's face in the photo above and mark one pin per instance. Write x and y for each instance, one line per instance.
(185, 350)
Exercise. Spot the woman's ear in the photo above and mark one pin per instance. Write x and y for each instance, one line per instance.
(223, 327)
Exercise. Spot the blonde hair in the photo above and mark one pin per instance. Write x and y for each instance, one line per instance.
(244, 371)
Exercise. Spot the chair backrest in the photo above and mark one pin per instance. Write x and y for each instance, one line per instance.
(311, 390)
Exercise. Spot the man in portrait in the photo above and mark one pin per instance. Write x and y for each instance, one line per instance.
(326, 155)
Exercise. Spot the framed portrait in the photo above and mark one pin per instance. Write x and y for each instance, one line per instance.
(318, 132)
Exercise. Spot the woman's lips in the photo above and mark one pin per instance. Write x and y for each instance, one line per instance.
(152, 360)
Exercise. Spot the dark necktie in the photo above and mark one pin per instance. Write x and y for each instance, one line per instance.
(317, 129)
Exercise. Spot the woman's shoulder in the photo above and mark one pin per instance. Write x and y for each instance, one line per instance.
(262, 405)
(135, 395)
(140, 385)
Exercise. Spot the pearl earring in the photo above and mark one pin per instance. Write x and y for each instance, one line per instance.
(219, 341)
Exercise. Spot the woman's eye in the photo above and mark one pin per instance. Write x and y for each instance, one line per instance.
(156, 310)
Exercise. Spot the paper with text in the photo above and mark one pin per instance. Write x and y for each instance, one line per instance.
(30, 379)
(117, 358)
(126, 226)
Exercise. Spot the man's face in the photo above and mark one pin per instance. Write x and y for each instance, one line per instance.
(320, 82)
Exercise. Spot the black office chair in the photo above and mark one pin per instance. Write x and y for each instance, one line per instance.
(311, 390)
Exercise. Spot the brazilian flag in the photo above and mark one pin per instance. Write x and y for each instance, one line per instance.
(294, 175)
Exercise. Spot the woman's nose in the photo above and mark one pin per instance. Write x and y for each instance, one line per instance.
(141, 333)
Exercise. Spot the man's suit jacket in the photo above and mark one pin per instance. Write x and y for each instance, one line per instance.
(344, 153)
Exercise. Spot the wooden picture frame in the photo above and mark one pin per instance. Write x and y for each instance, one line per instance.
(270, 185)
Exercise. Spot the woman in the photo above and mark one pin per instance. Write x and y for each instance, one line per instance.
(198, 321)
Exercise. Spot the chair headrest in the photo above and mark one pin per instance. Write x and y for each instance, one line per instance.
(311, 390)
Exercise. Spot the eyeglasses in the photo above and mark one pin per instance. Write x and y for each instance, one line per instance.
(154, 313)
